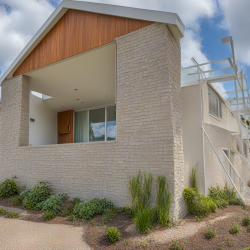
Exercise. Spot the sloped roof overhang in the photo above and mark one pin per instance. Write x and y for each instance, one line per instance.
(172, 20)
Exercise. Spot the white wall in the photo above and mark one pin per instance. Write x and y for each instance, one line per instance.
(192, 133)
(44, 130)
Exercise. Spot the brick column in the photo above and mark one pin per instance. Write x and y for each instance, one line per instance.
(149, 109)
(15, 112)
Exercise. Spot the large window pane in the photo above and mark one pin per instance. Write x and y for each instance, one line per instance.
(97, 125)
(81, 127)
(111, 123)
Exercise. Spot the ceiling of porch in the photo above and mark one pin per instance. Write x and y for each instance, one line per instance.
(80, 82)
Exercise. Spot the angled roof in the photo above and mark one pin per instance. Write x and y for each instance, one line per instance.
(172, 20)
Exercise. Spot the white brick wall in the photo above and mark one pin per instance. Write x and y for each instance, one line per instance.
(149, 128)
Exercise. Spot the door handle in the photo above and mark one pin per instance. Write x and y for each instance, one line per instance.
(69, 127)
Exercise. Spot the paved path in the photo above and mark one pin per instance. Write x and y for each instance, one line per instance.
(19, 235)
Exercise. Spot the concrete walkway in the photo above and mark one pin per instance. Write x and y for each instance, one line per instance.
(19, 235)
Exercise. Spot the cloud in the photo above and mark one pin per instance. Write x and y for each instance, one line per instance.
(236, 20)
(20, 20)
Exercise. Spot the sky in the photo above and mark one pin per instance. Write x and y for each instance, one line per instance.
(206, 21)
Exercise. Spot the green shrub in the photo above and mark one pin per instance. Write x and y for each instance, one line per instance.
(210, 233)
(246, 221)
(176, 246)
(224, 196)
(53, 203)
(140, 188)
(76, 201)
(16, 201)
(72, 218)
(48, 215)
(193, 179)
(108, 215)
(129, 212)
(198, 218)
(163, 201)
(234, 229)
(35, 195)
(143, 220)
(2, 211)
(66, 212)
(8, 188)
(248, 229)
(11, 214)
(91, 208)
(198, 204)
(112, 234)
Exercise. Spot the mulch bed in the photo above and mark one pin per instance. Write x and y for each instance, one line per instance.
(132, 239)
(223, 240)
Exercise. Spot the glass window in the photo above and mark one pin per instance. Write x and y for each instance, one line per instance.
(215, 105)
(97, 125)
(111, 123)
(81, 126)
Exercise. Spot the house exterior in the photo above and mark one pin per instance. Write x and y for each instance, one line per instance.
(111, 102)
(212, 129)
(109, 79)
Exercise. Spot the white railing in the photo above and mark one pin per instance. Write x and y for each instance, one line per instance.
(224, 168)
(242, 184)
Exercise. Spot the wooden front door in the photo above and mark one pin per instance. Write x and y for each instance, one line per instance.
(65, 126)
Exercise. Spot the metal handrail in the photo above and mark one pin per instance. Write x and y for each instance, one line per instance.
(224, 166)
(237, 172)
(243, 158)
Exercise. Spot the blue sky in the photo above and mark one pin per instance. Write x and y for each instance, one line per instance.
(207, 21)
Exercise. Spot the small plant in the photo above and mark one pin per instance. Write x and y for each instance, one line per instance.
(246, 221)
(76, 201)
(66, 212)
(198, 204)
(144, 244)
(193, 179)
(73, 218)
(234, 229)
(140, 188)
(48, 215)
(175, 223)
(163, 200)
(127, 241)
(220, 247)
(143, 220)
(39, 193)
(198, 218)
(210, 233)
(16, 201)
(53, 203)
(112, 234)
(2, 211)
(129, 212)
(8, 188)
(93, 222)
(248, 229)
(91, 208)
(244, 207)
(11, 214)
(108, 215)
(176, 246)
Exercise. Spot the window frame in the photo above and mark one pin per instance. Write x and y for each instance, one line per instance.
(106, 119)
(219, 103)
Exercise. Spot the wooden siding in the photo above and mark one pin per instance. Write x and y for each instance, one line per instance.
(77, 32)
(65, 126)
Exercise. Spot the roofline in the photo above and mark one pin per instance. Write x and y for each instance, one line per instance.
(172, 20)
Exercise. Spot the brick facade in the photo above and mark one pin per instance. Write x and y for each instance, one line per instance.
(149, 128)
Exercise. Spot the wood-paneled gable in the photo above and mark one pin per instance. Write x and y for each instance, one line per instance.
(77, 32)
